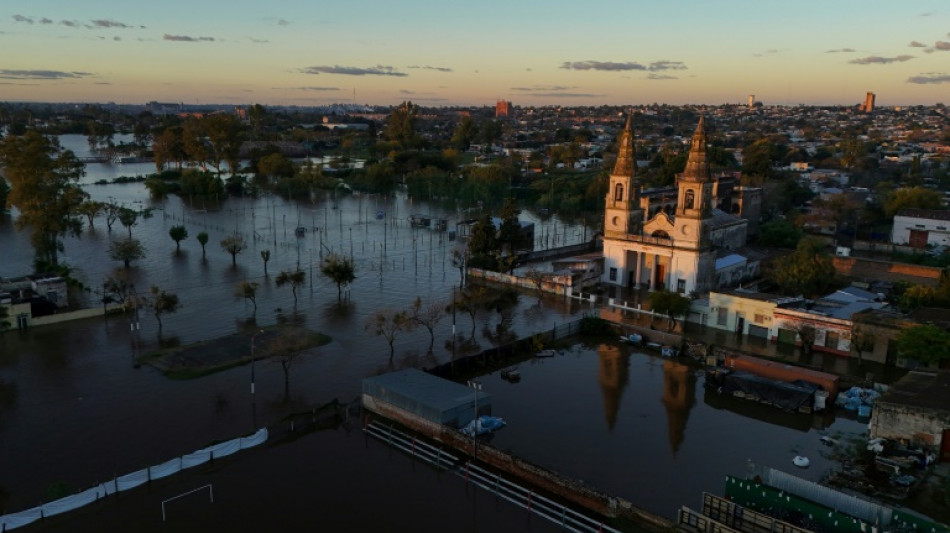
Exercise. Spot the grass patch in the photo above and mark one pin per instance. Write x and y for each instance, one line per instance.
(208, 357)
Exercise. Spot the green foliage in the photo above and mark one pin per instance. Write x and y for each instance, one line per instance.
(201, 184)
(779, 233)
(178, 234)
(130, 217)
(669, 303)
(126, 250)
(807, 271)
(202, 239)
(926, 343)
(44, 188)
(340, 270)
(483, 245)
(913, 197)
(401, 125)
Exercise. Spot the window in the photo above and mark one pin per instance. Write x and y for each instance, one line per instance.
(723, 316)
(613, 274)
(760, 319)
(690, 199)
(942, 228)
(681, 286)
(618, 193)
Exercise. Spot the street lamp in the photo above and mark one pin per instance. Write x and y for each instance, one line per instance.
(253, 337)
(477, 386)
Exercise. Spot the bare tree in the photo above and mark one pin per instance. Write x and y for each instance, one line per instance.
(294, 279)
(287, 348)
(427, 316)
(233, 245)
(537, 278)
(265, 255)
(387, 324)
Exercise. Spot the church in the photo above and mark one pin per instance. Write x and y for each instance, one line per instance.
(686, 238)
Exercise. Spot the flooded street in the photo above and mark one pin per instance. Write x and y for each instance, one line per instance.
(76, 409)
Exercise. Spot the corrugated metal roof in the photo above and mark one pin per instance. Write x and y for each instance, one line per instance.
(431, 391)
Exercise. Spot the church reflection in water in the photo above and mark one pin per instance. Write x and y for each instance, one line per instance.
(679, 390)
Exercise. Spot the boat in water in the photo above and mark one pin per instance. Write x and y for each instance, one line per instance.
(511, 374)
(546, 353)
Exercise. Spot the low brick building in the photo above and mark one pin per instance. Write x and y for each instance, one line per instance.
(916, 410)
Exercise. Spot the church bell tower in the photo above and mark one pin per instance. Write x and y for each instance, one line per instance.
(695, 185)
(622, 213)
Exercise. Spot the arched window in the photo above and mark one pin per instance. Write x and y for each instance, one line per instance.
(690, 199)
(661, 234)
(618, 193)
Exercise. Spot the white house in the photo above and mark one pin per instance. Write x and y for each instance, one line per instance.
(921, 228)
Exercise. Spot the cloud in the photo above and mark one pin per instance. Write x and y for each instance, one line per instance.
(544, 88)
(318, 89)
(927, 14)
(103, 23)
(654, 76)
(767, 52)
(870, 60)
(568, 95)
(942, 45)
(21, 18)
(282, 22)
(427, 67)
(929, 77)
(9, 74)
(601, 65)
(258, 41)
(406, 91)
(917, 44)
(185, 38)
(378, 70)
(45, 20)
(840, 50)
(71, 23)
(667, 65)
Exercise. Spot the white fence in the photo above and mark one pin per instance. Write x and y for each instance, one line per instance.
(132, 480)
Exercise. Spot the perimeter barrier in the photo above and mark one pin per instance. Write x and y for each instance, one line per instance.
(132, 480)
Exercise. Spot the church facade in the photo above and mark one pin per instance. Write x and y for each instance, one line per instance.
(654, 242)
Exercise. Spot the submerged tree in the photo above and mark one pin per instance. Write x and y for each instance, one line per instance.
(387, 324)
(45, 190)
(130, 217)
(265, 255)
(233, 245)
(178, 234)
(126, 250)
(427, 316)
(287, 348)
(202, 239)
(340, 270)
(248, 291)
(161, 302)
(294, 279)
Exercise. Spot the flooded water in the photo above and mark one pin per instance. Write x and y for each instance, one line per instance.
(76, 409)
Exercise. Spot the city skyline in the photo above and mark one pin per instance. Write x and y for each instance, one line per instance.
(436, 54)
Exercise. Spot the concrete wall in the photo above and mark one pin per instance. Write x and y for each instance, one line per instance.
(553, 283)
(901, 422)
(57, 318)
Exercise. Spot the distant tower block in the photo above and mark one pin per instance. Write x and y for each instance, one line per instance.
(868, 103)
(751, 100)
(503, 109)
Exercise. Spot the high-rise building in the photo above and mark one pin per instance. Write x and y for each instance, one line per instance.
(751, 100)
(868, 105)
(503, 109)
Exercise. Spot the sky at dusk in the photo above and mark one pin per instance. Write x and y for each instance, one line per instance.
(473, 53)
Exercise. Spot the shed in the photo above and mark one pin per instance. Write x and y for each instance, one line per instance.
(422, 395)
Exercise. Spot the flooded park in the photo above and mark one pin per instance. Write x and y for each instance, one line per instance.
(77, 409)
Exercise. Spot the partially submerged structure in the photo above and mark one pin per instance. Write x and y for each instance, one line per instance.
(413, 396)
